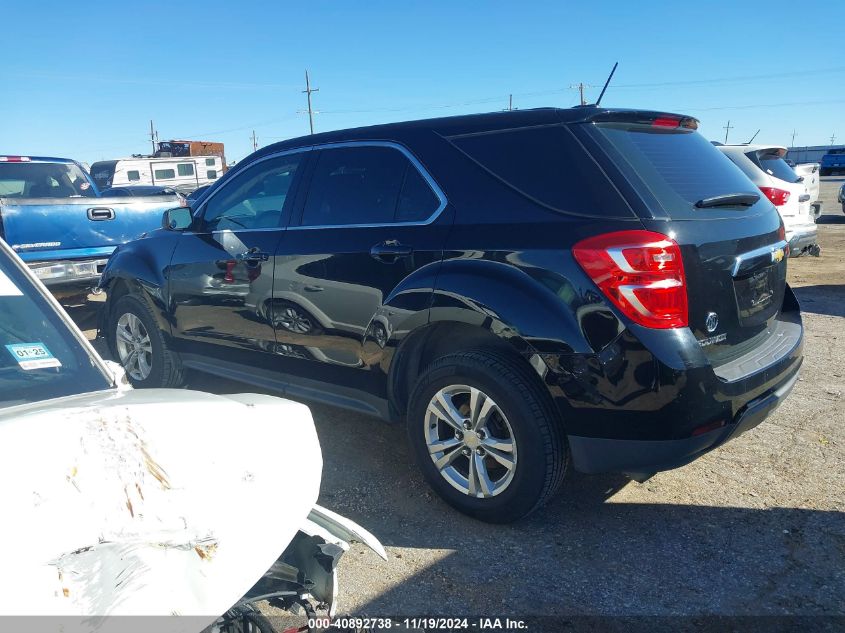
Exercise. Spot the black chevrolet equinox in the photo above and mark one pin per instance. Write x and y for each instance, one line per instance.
(525, 290)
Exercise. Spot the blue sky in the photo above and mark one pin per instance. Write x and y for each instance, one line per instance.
(83, 80)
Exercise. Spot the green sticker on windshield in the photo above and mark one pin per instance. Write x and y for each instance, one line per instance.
(33, 356)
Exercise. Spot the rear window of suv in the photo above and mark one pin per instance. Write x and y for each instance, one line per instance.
(770, 161)
(676, 166)
(548, 165)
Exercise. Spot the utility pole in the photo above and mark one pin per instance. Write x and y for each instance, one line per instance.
(580, 88)
(793, 138)
(727, 129)
(153, 136)
(833, 138)
(510, 102)
(308, 90)
(254, 142)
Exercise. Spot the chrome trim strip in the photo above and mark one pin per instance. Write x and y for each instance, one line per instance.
(757, 252)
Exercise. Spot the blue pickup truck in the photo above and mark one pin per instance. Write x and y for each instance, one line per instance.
(53, 216)
(833, 163)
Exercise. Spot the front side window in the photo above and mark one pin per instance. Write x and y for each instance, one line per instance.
(355, 185)
(133, 175)
(255, 198)
(164, 174)
(40, 358)
(185, 169)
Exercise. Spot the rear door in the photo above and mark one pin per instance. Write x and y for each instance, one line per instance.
(370, 220)
(733, 252)
(220, 278)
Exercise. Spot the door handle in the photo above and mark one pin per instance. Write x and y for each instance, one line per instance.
(96, 214)
(252, 255)
(389, 251)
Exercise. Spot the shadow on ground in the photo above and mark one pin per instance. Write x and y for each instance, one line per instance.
(826, 299)
(581, 553)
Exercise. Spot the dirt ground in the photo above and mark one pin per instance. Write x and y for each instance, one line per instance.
(755, 527)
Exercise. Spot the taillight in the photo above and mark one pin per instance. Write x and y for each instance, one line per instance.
(779, 197)
(14, 159)
(641, 272)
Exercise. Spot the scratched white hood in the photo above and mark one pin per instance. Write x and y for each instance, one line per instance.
(151, 502)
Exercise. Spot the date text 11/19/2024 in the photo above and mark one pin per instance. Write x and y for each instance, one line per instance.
(422, 623)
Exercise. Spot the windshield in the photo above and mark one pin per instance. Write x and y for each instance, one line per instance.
(39, 356)
(43, 180)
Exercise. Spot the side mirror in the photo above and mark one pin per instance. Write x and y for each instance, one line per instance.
(177, 219)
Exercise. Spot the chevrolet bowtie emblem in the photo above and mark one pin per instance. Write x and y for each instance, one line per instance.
(777, 254)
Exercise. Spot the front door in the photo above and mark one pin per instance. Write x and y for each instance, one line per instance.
(220, 278)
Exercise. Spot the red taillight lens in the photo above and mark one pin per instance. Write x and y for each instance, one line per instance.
(641, 272)
(666, 121)
(779, 197)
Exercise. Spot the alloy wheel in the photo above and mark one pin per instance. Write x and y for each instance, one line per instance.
(294, 321)
(134, 348)
(470, 441)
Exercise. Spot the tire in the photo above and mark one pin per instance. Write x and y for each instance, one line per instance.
(165, 367)
(522, 414)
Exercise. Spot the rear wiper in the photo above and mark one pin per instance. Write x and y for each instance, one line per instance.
(728, 200)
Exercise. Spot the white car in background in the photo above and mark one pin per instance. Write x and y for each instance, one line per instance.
(812, 180)
(151, 502)
(765, 166)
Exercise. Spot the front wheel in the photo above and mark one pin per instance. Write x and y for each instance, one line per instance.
(486, 435)
(138, 345)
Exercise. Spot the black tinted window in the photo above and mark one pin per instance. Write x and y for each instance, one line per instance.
(677, 166)
(355, 185)
(774, 165)
(255, 198)
(548, 165)
(416, 201)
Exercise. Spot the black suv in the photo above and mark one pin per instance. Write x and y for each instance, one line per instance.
(525, 289)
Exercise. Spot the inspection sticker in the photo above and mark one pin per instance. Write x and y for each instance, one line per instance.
(7, 288)
(33, 356)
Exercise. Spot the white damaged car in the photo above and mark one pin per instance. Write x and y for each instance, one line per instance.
(154, 502)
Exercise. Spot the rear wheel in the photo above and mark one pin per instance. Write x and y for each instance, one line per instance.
(138, 345)
(486, 435)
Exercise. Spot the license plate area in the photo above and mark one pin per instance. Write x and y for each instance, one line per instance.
(757, 295)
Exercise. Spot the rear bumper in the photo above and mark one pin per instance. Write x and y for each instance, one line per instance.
(69, 274)
(801, 237)
(646, 457)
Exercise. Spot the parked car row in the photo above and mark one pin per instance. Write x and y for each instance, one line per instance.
(526, 291)
(765, 167)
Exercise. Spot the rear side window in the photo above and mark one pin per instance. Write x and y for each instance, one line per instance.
(772, 163)
(677, 166)
(185, 169)
(133, 175)
(366, 185)
(547, 165)
(165, 174)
